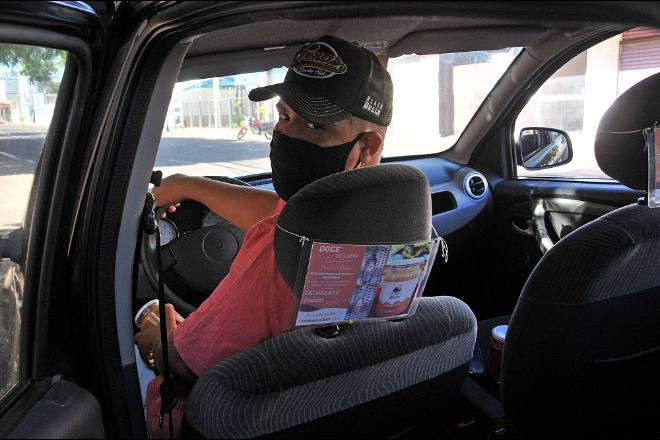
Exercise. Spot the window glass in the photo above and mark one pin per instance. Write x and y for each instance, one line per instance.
(212, 128)
(29, 83)
(435, 96)
(575, 98)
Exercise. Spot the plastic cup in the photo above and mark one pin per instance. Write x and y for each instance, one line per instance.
(496, 347)
(148, 315)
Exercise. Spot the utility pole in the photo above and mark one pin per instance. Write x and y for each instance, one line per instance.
(20, 96)
(269, 81)
(446, 97)
(216, 103)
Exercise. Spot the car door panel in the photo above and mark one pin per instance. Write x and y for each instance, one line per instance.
(563, 216)
(60, 400)
(614, 194)
(532, 215)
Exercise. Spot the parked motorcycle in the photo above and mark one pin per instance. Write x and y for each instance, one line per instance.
(257, 126)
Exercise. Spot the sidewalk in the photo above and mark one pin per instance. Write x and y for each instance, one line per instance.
(209, 133)
(14, 193)
(12, 127)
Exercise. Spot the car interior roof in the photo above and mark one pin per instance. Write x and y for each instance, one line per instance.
(261, 46)
(267, 34)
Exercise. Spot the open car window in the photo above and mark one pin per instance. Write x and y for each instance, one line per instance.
(212, 128)
(28, 92)
(577, 95)
(202, 133)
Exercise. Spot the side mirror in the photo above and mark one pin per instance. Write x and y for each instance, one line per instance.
(540, 148)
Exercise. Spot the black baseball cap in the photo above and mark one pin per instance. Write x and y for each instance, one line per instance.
(330, 79)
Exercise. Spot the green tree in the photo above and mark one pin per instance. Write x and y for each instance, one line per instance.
(37, 63)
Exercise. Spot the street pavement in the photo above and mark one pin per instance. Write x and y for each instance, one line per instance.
(212, 152)
(20, 146)
(217, 148)
(194, 151)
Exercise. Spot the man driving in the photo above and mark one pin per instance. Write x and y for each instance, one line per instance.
(335, 104)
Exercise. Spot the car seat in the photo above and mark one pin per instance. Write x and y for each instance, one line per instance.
(373, 378)
(582, 352)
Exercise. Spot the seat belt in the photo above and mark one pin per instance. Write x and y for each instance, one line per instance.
(168, 392)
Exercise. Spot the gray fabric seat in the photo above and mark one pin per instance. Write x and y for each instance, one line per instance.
(583, 351)
(299, 377)
(583, 348)
(375, 378)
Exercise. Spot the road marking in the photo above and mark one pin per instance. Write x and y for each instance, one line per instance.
(11, 156)
(21, 136)
(237, 166)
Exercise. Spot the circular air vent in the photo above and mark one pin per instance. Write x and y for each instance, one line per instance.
(475, 185)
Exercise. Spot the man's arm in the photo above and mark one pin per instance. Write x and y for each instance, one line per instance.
(243, 206)
(178, 368)
(149, 340)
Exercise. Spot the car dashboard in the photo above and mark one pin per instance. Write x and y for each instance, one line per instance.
(458, 195)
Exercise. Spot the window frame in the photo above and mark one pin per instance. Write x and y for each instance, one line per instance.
(43, 226)
(640, 35)
(548, 70)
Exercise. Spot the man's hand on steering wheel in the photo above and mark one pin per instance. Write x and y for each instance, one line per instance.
(199, 258)
(170, 208)
(171, 192)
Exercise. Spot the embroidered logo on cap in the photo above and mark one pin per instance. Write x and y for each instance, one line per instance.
(318, 60)
(373, 105)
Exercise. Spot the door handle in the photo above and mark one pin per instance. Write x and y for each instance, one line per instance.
(528, 231)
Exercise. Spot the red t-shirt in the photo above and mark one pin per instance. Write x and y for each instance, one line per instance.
(252, 304)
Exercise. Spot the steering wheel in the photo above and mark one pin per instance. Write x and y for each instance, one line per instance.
(200, 259)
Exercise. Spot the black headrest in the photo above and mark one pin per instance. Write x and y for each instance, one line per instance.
(623, 156)
(378, 204)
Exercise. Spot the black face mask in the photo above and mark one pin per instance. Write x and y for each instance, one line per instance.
(297, 163)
